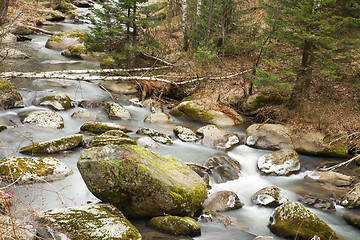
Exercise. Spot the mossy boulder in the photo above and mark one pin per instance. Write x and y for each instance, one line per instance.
(352, 219)
(270, 196)
(223, 168)
(330, 177)
(57, 101)
(217, 137)
(66, 6)
(33, 169)
(263, 98)
(198, 111)
(54, 145)
(282, 162)
(60, 41)
(158, 117)
(44, 119)
(141, 183)
(9, 96)
(101, 127)
(223, 201)
(292, 219)
(155, 135)
(116, 111)
(176, 225)
(116, 137)
(90, 222)
(185, 134)
(50, 14)
(352, 198)
(75, 51)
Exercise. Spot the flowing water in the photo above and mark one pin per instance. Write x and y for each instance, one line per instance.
(72, 191)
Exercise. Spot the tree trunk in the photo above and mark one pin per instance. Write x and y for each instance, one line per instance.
(55, 4)
(184, 26)
(169, 11)
(208, 30)
(198, 7)
(4, 4)
(303, 78)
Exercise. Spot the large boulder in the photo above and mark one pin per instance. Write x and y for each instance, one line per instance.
(100, 221)
(33, 169)
(57, 101)
(269, 197)
(101, 127)
(331, 177)
(185, 134)
(116, 111)
(223, 168)
(9, 96)
(8, 38)
(176, 225)
(54, 145)
(198, 111)
(44, 119)
(223, 201)
(141, 183)
(282, 162)
(352, 198)
(291, 220)
(217, 137)
(60, 41)
(155, 135)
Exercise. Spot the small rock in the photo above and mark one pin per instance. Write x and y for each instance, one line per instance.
(352, 219)
(147, 142)
(83, 115)
(153, 105)
(101, 127)
(269, 197)
(223, 201)
(9, 96)
(158, 117)
(44, 118)
(318, 202)
(352, 198)
(116, 137)
(217, 137)
(116, 111)
(223, 168)
(330, 177)
(57, 101)
(92, 104)
(155, 135)
(282, 162)
(185, 134)
(176, 225)
(53, 146)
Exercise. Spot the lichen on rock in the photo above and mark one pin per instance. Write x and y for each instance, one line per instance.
(57, 101)
(116, 111)
(101, 127)
(155, 135)
(44, 119)
(112, 137)
(9, 96)
(176, 225)
(60, 41)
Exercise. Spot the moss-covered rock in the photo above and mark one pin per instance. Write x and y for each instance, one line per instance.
(269, 197)
(66, 6)
(217, 137)
(331, 177)
(116, 111)
(223, 168)
(352, 198)
(352, 219)
(292, 219)
(75, 51)
(116, 137)
(185, 134)
(9, 96)
(176, 225)
(158, 117)
(57, 101)
(155, 135)
(33, 169)
(50, 14)
(282, 162)
(90, 222)
(53, 146)
(141, 183)
(101, 127)
(60, 41)
(223, 201)
(44, 119)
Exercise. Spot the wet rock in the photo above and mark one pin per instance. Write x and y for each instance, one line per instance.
(202, 173)
(2, 127)
(223, 201)
(158, 117)
(331, 177)
(126, 87)
(60, 41)
(155, 135)
(269, 197)
(57, 101)
(116, 111)
(176, 225)
(141, 183)
(8, 38)
(352, 219)
(223, 168)
(268, 136)
(185, 134)
(282, 162)
(33, 169)
(292, 219)
(92, 104)
(318, 202)
(101, 127)
(44, 119)
(12, 228)
(228, 222)
(217, 137)
(75, 51)
(84, 115)
(53, 146)
(11, 53)
(51, 15)
(100, 221)
(116, 137)
(352, 198)
(9, 96)
(153, 105)
(147, 142)
(198, 111)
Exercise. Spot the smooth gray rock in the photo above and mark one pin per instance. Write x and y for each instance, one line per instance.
(147, 142)
(153, 105)
(84, 115)
(155, 135)
(217, 137)
(158, 117)
(318, 202)
(185, 134)
(116, 137)
(330, 177)
(269, 197)
(44, 119)
(126, 87)
(352, 219)
(223, 201)
(11, 53)
(223, 168)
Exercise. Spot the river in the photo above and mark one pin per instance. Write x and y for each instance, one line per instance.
(72, 191)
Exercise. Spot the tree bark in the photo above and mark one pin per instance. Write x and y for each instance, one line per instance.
(4, 4)
(184, 26)
(208, 30)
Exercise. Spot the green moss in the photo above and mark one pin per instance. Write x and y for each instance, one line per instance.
(336, 147)
(76, 49)
(66, 6)
(265, 97)
(100, 127)
(196, 111)
(113, 137)
(176, 225)
(75, 34)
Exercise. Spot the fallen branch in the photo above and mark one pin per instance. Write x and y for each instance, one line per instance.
(39, 30)
(158, 59)
(199, 165)
(340, 164)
